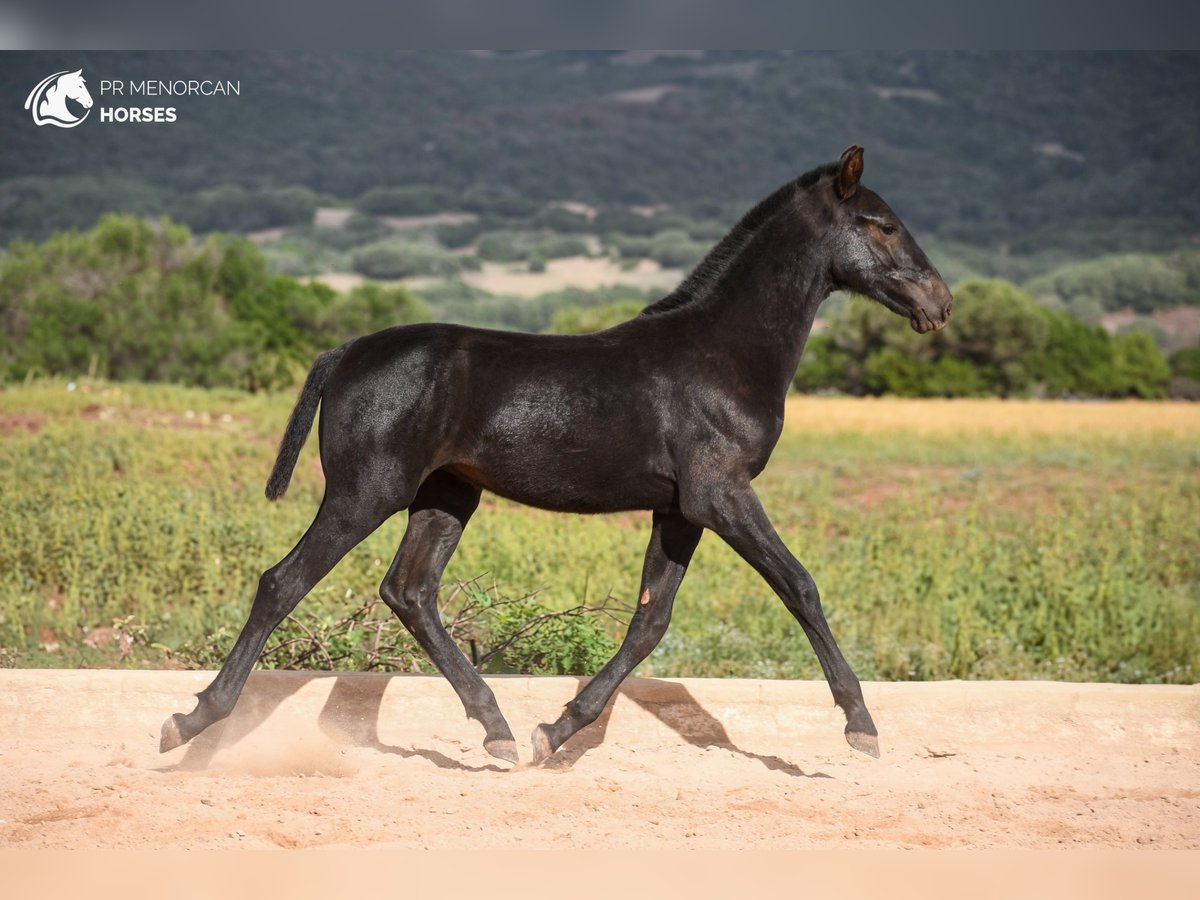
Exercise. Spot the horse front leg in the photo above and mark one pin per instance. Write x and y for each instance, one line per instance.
(736, 514)
(672, 541)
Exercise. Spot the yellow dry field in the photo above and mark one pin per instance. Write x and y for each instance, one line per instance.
(871, 415)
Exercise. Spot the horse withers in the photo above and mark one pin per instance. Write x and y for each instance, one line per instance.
(675, 412)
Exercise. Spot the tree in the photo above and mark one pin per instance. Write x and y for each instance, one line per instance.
(133, 299)
(1139, 366)
(999, 341)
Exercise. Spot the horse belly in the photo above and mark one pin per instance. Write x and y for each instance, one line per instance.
(590, 472)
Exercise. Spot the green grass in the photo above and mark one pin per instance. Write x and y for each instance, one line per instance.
(974, 549)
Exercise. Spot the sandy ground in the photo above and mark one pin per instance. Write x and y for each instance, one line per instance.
(390, 762)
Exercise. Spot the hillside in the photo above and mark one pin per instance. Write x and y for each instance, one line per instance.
(1080, 153)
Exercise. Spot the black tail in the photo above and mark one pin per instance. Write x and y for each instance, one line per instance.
(300, 423)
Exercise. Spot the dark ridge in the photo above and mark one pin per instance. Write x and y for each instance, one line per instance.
(709, 270)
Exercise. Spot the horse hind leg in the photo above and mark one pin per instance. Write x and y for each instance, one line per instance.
(340, 523)
(672, 541)
(438, 515)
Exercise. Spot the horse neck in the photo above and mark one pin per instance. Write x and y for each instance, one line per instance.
(761, 310)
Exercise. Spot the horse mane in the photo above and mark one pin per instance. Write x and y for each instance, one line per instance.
(710, 269)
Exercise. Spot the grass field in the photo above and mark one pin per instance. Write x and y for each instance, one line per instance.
(950, 539)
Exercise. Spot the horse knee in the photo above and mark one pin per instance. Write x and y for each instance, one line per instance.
(657, 622)
(270, 603)
(405, 600)
(806, 588)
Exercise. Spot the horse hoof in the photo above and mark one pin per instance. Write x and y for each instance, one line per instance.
(542, 748)
(863, 743)
(505, 750)
(170, 738)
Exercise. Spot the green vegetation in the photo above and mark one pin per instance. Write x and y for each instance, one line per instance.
(230, 208)
(412, 200)
(574, 320)
(1078, 153)
(499, 634)
(1001, 342)
(454, 301)
(986, 552)
(137, 300)
(1143, 282)
(404, 259)
(512, 246)
(132, 299)
(671, 249)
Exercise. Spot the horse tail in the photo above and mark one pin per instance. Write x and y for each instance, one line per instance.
(300, 422)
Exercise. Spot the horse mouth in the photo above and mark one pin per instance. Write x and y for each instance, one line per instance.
(923, 323)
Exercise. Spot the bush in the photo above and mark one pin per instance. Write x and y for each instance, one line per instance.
(1138, 366)
(132, 299)
(372, 307)
(359, 229)
(998, 342)
(623, 222)
(671, 249)
(1141, 281)
(401, 259)
(489, 199)
(497, 632)
(415, 200)
(462, 234)
(231, 208)
(502, 246)
(559, 247)
(561, 221)
(36, 207)
(505, 245)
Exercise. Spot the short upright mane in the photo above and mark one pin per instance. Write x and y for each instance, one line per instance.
(708, 272)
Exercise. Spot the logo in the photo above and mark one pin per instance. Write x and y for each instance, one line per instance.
(48, 101)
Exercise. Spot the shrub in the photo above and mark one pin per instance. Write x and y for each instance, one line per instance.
(132, 299)
(232, 208)
(999, 342)
(1138, 366)
(401, 259)
(413, 200)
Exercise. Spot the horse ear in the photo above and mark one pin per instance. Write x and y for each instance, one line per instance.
(76, 72)
(850, 168)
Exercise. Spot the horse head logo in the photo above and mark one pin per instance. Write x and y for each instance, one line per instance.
(48, 101)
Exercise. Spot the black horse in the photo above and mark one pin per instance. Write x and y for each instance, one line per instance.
(675, 412)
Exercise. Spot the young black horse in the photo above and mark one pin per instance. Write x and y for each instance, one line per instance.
(674, 412)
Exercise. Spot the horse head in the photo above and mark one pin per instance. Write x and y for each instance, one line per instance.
(874, 254)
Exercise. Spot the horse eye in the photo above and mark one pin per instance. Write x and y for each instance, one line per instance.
(888, 228)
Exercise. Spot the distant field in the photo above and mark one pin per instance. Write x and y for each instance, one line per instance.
(515, 280)
(950, 539)
(573, 271)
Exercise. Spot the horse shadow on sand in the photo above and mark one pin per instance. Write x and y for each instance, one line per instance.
(350, 717)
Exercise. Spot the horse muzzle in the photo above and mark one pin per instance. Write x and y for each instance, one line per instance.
(930, 303)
